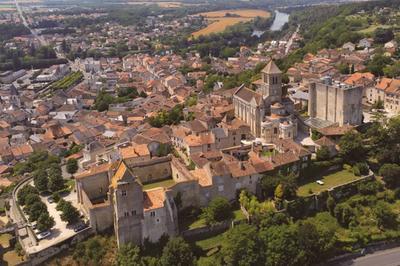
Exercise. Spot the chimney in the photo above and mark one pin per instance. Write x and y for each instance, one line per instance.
(242, 166)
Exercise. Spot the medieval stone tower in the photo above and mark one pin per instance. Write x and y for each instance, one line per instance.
(271, 88)
(127, 195)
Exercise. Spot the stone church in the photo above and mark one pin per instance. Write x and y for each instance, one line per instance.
(266, 110)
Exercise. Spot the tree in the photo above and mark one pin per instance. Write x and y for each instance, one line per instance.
(24, 192)
(390, 174)
(177, 252)
(383, 35)
(218, 210)
(330, 204)
(281, 246)
(35, 210)
(351, 147)
(69, 213)
(385, 217)
(31, 198)
(45, 222)
(344, 214)
(40, 180)
(72, 166)
(128, 255)
(323, 154)
(94, 250)
(242, 246)
(56, 181)
(268, 185)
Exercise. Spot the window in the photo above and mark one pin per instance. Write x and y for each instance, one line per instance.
(123, 192)
(275, 131)
(152, 214)
(126, 214)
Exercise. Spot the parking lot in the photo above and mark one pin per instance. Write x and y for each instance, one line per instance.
(60, 231)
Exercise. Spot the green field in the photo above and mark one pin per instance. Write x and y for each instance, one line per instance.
(237, 216)
(372, 28)
(163, 183)
(67, 82)
(332, 180)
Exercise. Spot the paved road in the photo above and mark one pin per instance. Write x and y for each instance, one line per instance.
(390, 257)
(290, 42)
(26, 24)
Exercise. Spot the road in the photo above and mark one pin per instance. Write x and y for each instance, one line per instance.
(26, 24)
(389, 257)
(290, 42)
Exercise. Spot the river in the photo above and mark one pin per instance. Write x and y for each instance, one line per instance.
(279, 21)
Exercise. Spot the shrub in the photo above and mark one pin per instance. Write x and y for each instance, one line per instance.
(369, 188)
(363, 168)
(218, 210)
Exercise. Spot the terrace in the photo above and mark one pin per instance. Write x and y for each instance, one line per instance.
(330, 181)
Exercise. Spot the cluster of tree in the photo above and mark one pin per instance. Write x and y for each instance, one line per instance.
(73, 149)
(172, 117)
(104, 99)
(9, 31)
(279, 186)
(232, 81)
(69, 213)
(218, 210)
(43, 57)
(38, 159)
(48, 177)
(284, 243)
(28, 197)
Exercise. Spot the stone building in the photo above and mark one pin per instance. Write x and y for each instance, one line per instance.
(331, 102)
(386, 91)
(268, 113)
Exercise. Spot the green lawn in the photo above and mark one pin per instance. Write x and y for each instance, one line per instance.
(330, 181)
(372, 28)
(200, 222)
(212, 242)
(163, 183)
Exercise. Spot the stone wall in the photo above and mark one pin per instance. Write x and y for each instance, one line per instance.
(40, 257)
(151, 170)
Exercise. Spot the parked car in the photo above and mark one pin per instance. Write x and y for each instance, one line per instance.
(80, 227)
(33, 225)
(50, 199)
(320, 182)
(43, 235)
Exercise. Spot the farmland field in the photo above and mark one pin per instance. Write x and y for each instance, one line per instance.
(7, 7)
(219, 20)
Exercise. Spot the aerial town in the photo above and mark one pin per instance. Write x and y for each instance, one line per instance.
(185, 133)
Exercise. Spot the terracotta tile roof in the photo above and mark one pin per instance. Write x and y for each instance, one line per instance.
(358, 77)
(324, 141)
(94, 170)
(241, 168)
(22, 150)
(193, 140)
(389, 85)
(280, 159)
(202, 177)
(247, 95)
(153, 199)
(134, 151)
(335, 131)
(122, 172)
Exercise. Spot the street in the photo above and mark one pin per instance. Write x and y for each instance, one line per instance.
(390, 257)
